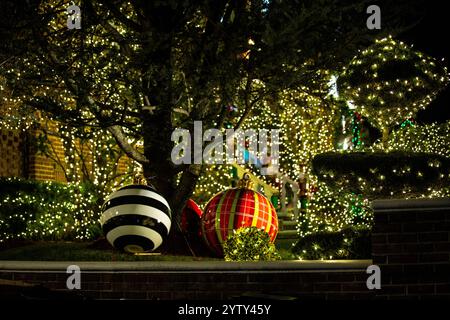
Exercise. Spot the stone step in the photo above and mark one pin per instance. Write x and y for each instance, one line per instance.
(283, 234)
(284, 215)
(288, 222)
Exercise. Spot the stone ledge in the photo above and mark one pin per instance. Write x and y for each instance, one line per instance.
(187, 266)
(399, 205)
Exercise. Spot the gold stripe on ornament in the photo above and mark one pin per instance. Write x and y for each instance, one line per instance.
(269, 219)
(217, 222)
(256, 212)
(233, 212)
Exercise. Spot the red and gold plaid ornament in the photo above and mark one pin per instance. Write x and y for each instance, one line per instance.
(236, 208)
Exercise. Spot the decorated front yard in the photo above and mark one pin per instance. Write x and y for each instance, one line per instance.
(192, 131)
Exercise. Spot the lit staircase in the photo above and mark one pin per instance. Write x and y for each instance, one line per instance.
(287, 225)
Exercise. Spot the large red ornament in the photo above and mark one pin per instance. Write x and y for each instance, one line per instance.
(233, 209)
(190, 218)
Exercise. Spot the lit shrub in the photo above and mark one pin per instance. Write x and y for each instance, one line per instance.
(349, 243)
(396, 174)
(250, 244)
(39, 210)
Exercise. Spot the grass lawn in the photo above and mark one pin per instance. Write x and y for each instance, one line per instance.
(81, 251)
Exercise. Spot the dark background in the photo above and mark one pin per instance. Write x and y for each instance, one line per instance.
(431, 35)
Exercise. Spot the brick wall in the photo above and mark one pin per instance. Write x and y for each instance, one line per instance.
(12, 148)
(411, 244)
(19, 156)
(303, 284)
(43, 167)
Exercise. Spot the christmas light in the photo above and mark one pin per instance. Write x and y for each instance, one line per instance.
(389, 82)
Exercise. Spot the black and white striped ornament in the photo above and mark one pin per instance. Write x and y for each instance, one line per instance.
(136, 218)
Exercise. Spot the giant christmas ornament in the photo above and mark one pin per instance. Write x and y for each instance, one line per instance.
(136, 218)
(191, 217)
(236, 208)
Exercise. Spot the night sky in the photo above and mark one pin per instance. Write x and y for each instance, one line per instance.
(432, 36)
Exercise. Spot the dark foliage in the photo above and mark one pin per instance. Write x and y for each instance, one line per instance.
(350, 243)
(381, 175)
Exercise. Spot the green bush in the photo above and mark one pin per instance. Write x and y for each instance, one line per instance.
(429, 138)
(41, 210)
(380, 175)
(331, 211)
(250, 244)
(387, 67)
(349, 243)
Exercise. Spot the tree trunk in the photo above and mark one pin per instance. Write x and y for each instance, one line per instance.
(160, 171)
(185, 188)
(177, 242)
(385, 137)
(162, 174)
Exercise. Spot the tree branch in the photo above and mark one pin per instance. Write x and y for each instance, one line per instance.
(131, 152)
(248, 105)
(126, 49)
(121, 17)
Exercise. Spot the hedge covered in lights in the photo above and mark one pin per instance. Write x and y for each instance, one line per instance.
(429, 138)
(250, 244)
(36, 210)
(349, 243)
(380, 174)
(331, 210)
(389, 81)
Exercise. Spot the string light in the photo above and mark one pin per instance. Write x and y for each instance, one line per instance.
(389, 82)
(57, 211)
(305, 118)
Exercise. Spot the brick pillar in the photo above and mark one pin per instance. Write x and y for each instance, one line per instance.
(411, 244)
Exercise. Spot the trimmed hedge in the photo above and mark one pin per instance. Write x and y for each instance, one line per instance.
(375, 77)
(350, 243)
(383, 175)
(39, 210)
(250, 244)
